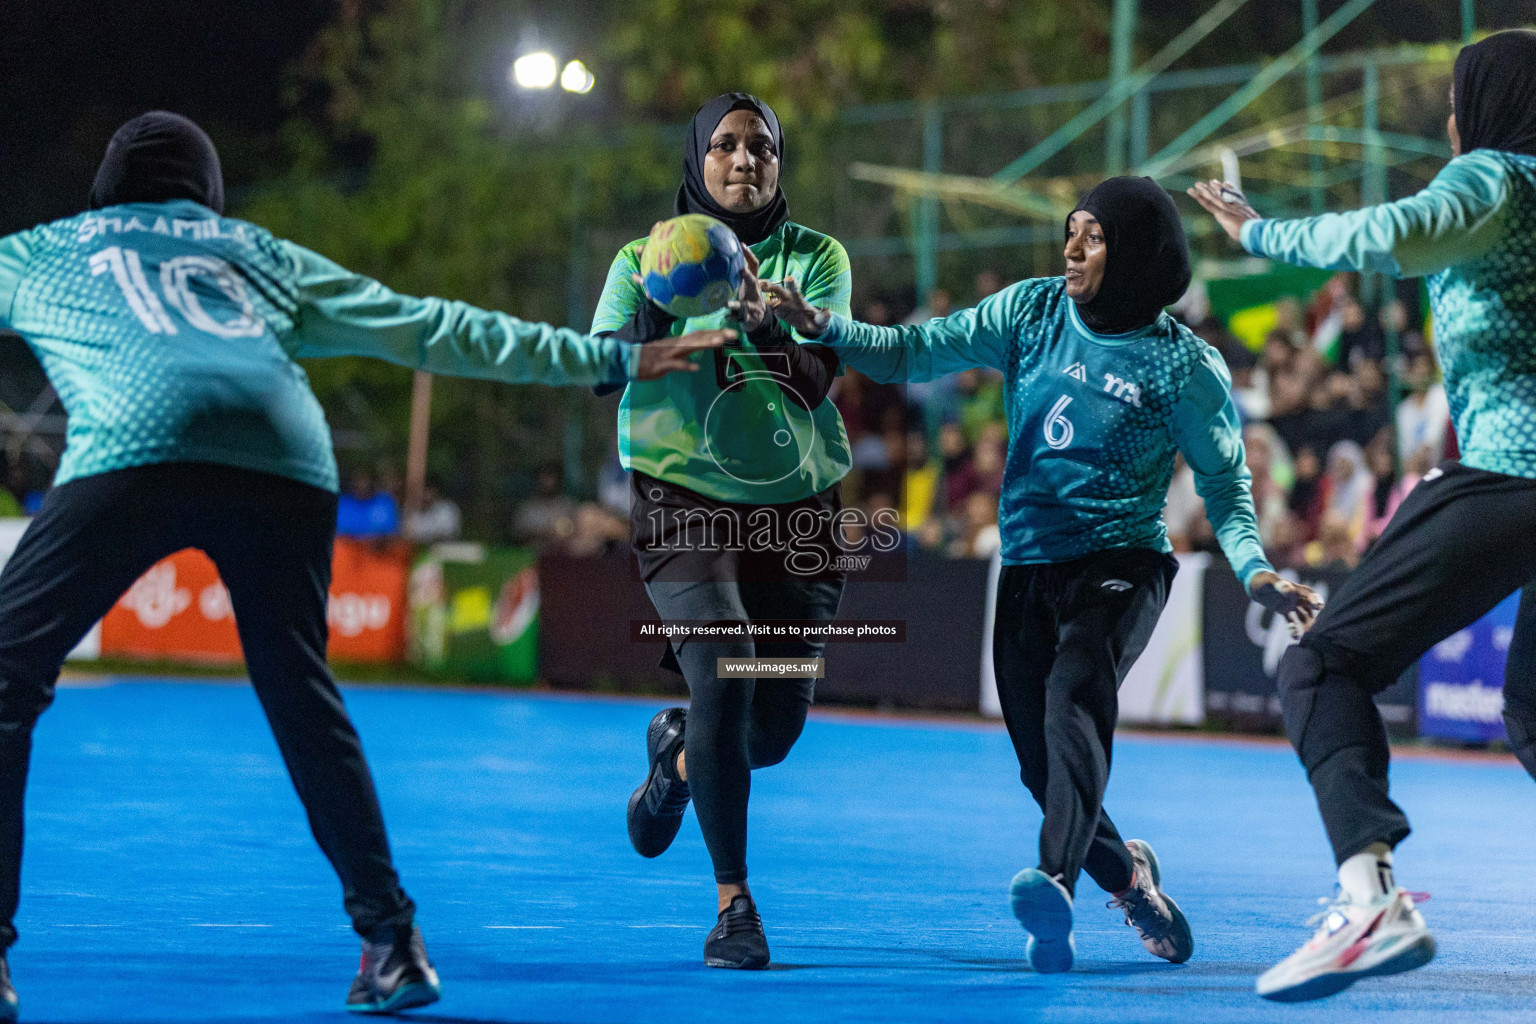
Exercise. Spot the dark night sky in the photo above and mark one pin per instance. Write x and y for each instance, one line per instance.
(72, 70)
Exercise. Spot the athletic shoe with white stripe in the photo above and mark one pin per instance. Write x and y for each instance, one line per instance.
(1353, 941)
(1044, 907)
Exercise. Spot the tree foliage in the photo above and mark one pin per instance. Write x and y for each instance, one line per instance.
(414, 162)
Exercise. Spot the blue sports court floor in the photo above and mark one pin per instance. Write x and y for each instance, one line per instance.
(170, 876)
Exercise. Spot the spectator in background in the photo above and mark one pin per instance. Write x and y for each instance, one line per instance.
(982, 472)
(1292, 322)
(549, 516)
(920, 485)
(955, 458)
(939, 304)
(1359, 336)
(988, 282)
(1423, 415)
(365, 512)
(596, 531)
(438, 519)
(978, 536)
(979, 400)
(1348, 488)
(1306, 501)
(1183, 508)
(1380, 459)
(1413, 473)
(1272, 474)
(1334, 547)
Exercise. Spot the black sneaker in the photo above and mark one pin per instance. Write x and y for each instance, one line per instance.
(395, 973)
(737, 940)
(8, 1001)
(1158, 921)
(656, 808)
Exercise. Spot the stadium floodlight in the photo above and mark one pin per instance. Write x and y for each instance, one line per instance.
(535, 70)
(576, 78)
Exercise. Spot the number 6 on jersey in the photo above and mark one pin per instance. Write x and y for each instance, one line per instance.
(1058, 429)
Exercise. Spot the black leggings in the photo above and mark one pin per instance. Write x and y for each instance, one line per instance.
(1463, 541)
(271, 540)
(736, 725)
(1065, 635)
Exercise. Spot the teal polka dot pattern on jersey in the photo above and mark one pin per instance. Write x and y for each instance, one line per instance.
(1100, 483)
(159, 325)
(1485, 336)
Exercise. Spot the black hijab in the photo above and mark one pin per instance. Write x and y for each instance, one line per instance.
(157, 157)
(694, 197)
(1496, 93)
(1148, 261)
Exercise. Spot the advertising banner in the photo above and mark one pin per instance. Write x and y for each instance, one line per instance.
(1243, 646)
(475, 612)
(181, 611)
(1461, 679)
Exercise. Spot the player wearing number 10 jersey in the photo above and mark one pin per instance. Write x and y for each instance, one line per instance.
(169, 332)
(1101, 389)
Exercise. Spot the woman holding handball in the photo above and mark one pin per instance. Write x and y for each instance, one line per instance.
(1102, 388)
(735, 492)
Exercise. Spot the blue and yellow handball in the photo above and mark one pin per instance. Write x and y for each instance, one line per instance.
(691, 265)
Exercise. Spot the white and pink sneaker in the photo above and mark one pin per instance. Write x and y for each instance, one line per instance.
(1353, 941)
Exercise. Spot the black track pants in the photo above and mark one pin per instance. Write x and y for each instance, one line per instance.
(1463, 541)
(1065, 636)
(271, 539)
(736, 725)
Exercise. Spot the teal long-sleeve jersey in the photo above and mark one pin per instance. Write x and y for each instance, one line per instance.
(170, 334)
(1473, 231)
(1093, 421)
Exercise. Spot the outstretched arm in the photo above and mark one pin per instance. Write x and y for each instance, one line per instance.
(1458, 216)
(979, 336)
(341, 313)
(1207, 430)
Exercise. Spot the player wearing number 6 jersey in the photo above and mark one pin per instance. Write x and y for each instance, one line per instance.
(1101, 389)
(169, 332)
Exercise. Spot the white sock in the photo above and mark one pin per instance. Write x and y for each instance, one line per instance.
(1367, 876)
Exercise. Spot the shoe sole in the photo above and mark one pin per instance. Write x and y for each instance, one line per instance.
(407, 997)
(1038, 905)
(1179, 920)
(736, 965)
(1412, 957)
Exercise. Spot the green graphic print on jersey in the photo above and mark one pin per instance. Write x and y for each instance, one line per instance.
(1093, 421)
(170, 335)
(1473, 230)
(742, 443)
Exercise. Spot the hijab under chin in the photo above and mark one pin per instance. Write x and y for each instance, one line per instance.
(157, 157)
(1496, 93)
(1147, 265)
(694, 197)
